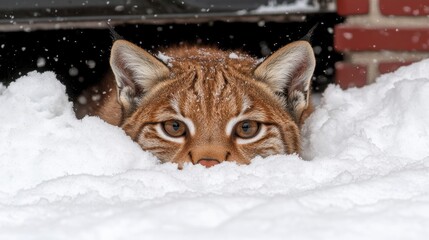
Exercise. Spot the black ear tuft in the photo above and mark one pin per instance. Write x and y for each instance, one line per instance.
(114, 35)
(308, 36)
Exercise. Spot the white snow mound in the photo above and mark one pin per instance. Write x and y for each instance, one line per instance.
(368, 178)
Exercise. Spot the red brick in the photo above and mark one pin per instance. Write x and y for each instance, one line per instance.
(352, 7)
(386, 67)
(357, 38)
(350, 75)
(404, 7)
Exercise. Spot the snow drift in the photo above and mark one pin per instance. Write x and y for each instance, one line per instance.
(368, 178)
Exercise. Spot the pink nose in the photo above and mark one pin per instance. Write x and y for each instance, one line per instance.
(208, 162)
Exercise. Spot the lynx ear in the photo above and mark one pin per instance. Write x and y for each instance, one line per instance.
(136, 72)
(288, 73)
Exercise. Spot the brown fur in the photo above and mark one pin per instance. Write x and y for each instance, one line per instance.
(209, 88)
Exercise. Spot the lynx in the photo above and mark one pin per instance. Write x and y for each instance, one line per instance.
(202, 105)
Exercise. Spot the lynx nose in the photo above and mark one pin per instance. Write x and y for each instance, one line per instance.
(208, 162)
(209, 155)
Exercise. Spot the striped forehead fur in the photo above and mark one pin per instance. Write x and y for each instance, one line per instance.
(209, 83)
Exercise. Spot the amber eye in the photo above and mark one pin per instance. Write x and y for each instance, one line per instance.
(247, 129)
(174, 128)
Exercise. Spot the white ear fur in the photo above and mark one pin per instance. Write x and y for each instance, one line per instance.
(136, 72)
(288, 73)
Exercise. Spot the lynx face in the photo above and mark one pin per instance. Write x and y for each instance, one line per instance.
(207, 106)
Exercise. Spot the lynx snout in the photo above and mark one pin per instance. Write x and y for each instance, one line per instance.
(209, 155)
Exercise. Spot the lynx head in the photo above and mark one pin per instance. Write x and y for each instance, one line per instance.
(208, 106)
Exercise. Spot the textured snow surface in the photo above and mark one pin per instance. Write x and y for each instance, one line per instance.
(368, 178)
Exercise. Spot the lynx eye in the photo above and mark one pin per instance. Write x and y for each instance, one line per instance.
(247, 129)
(174, 128)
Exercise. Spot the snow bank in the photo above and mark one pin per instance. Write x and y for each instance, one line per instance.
(40, 139)
(388, 118)
(368, 178)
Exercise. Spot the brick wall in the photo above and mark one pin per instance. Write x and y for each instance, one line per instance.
(379, 36)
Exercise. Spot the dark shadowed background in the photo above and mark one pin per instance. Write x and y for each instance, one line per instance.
(71, 37)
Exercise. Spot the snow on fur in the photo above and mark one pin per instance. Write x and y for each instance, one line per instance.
(366, 173)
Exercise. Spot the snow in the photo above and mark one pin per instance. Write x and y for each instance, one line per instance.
(275, 7)
(233, 55)
(368, 178)
(164, 58)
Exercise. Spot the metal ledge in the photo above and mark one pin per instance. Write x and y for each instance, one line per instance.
(66, 14)
(101, 22)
